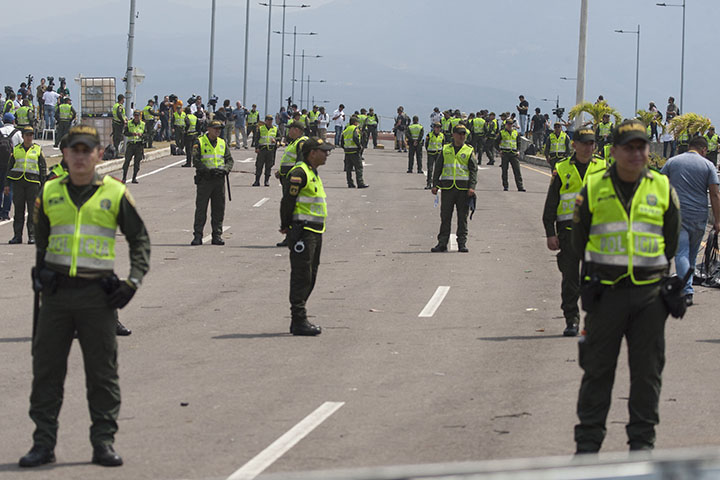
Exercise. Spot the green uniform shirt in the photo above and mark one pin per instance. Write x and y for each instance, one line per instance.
(129, 222)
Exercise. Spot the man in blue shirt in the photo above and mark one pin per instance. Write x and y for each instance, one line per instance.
(240, 114)
(693, 175)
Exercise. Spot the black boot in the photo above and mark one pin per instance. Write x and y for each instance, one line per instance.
(38, 455)
(267, 180)
(105, 455)
(257, 181)
(304, 329)
(197, 240)
(121, 330)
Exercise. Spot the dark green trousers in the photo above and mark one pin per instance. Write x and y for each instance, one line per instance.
(212, 190)
(478, 146)
(61, 314)
(511, 158)
(117, 135)
(133, 151)
(61, 129)
(180, 138)
(638, 314)
(489, 150)
(431, 157)
(189, 141)
(24, 194)
(149, 133)
(354, 162)
(569, 265)
(450, 200)
(265, 161)
(303, 273)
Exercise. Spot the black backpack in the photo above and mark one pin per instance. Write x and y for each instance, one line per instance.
(6, 148)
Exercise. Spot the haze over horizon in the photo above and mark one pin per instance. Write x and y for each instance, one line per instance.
(461, 54)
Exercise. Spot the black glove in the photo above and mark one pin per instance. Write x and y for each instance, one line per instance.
(122, 295)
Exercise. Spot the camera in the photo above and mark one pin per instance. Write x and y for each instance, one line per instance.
(558, 111)
(62, 80)
(172, 97)
(8, 90)
(30, 79)
(212, 102)
(51, 81)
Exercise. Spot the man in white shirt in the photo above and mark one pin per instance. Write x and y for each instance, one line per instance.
(50, 99)
(436, 116)
(338, 118)
(7, 129)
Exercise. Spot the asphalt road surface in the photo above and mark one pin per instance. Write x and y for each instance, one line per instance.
(211, 378)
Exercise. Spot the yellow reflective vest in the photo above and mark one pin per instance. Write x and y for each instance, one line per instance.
(569, 176)
(348, 140)
(712, 142)
(83, 237)
(118, 113)
(212, 157)
(287, 161)
(508, 140)
(435, 142)
(310, 207)
(179, 119)
(557, 143)
(455, 171)
(136, 132)
(622, 245)
(26, 162)
(265, 135)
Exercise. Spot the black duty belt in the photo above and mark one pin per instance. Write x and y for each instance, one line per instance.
(65, 281)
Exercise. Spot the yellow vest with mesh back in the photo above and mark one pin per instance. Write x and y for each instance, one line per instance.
(310, 207)
(26, 161)
(348, 141)
(478, 125)
(83, 237)
(290, 155)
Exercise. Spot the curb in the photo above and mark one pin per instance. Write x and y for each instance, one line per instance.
(112, 165)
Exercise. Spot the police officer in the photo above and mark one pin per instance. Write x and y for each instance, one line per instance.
(712, 151)
(292, 154)
(455, 174)
(568, 177)
(179, 118)
(191, 134)
(508, 141)
(371, 126)
(24, 116)
(434, 145)
(492, 129)
(212, 161)
(302, 217)
(351, 145)
(118, 122)
(312, 117)
(557, 145)
(415, 142)
(626, 226)
(149, 116)
(253, 117)
(265, 143)
(59, 170)
(64, 116)
(604, 132)
(135, 133)
(80, 292)
(26, 171)
(478, 135)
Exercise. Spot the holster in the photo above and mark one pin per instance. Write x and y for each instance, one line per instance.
(591, 291)
(110, 283)
(295, 234)
(44, 280)
(671, 288)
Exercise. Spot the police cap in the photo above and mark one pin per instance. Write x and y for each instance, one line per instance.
(297, 125)
(314, 143)
(584, 135)
(84, 134)
(216, 124)
(460, 129)
(628, 131)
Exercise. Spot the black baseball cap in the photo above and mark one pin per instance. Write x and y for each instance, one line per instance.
(584, 135)
(84, 134)
(628, 131)
(460, 129)
(216, 124)
(297, 125)
(314, 143)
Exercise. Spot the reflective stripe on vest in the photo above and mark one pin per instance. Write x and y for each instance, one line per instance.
(212, 157)
(557, 144)
(508, 140)
(148, 113)
(445, 122)
(572, 184)
(310, 206)
(313, 116)
(179, 119)
(58, 170)
(371, 120)
(290, 155)
(266, 134)
(348, 141)
(712, 142)
(435, 142)
(454, 121)
(414, 131)
(252, 117)
(25, 162)
(22, 115)
(65, 112)
(604, 128)
(86, 237)
(136, 132)
(455, 172)
(631, 243)
(192, 119)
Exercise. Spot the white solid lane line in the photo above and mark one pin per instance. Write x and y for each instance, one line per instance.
(289, 439)
(452, 247)
(207, 238)
(261, 202)
(434, 302)
(162, 168)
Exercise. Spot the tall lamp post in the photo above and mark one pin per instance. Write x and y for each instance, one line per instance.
(308, 90)
(282, 46)
(637, 66)
(682, 58)
(302, 72)
(294, 33)
(582, 54)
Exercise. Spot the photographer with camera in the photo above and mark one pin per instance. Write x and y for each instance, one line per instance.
(625, 226)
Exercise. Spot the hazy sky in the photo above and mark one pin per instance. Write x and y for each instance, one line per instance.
(469, 54)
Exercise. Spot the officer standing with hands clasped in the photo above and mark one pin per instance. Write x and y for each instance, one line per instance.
(434, 145)
(292, 155)
(265, 143)
(568, 177)
(626, 224)
(76, 218)
(212, 161)
(135, 148)
(508, 141)
(456, 175)
(303, 211)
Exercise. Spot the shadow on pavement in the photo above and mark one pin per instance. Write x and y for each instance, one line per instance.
(14, 467)
(15, 339)
(259, 247)
(713, 340)
(250, 335)
(519, 337)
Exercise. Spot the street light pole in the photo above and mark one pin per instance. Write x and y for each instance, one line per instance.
(247, 30)
(129, 70)
(637, 63)
(682, 57)
(212, 51)
(267, 60)
(294, 34)
(582, 52)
